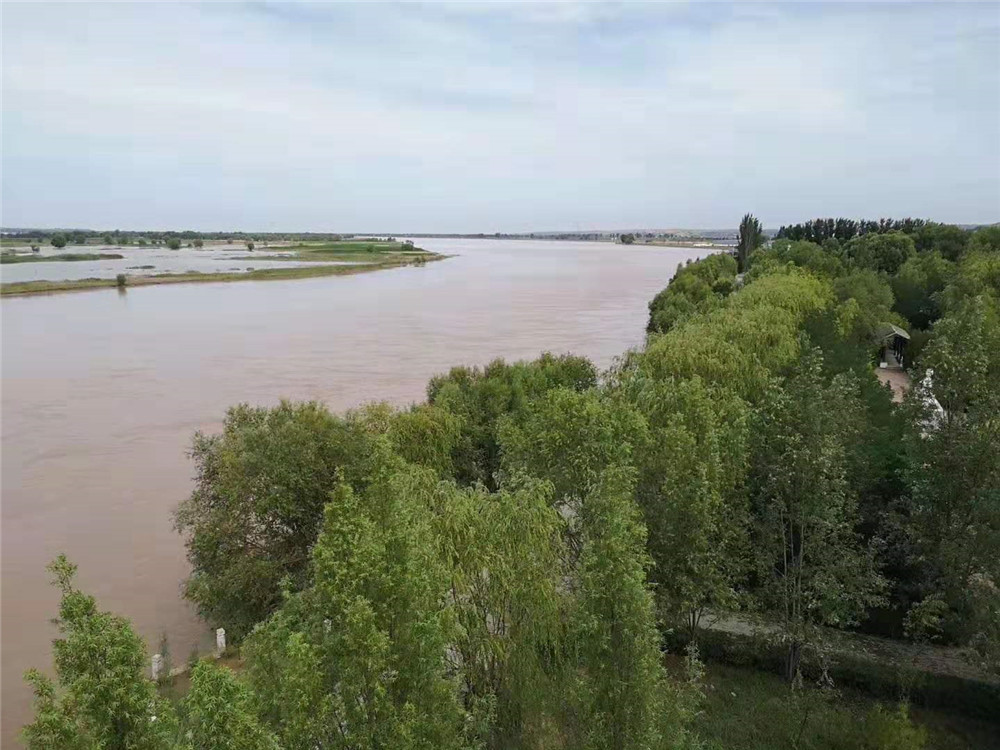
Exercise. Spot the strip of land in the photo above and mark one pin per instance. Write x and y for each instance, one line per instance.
(382, 255)
(62, 257)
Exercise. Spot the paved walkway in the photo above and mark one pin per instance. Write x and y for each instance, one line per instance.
(895, 377)
(941, 660)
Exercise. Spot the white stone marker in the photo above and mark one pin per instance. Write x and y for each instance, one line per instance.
(220, 641)
(157, 666)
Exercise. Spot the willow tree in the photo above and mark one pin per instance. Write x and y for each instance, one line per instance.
(358, 659)
(691, 494)
(953, 471)
(507, 589)
(751, 237)
(257, 505)
(102, 697)
(812, 567)
(219, 713)
(619, 696)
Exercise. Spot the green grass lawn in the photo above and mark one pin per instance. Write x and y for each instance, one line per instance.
(751, 710)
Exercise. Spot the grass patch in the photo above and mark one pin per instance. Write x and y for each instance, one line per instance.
(345, 251)
(7, 258)
(264, 274)
(746, 709)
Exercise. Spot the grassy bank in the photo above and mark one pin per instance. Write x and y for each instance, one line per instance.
(22, 288)
(342, 251)
(10, 258)
(746, 709)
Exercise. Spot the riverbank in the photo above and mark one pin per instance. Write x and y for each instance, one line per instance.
(61, 258)
(390, 260)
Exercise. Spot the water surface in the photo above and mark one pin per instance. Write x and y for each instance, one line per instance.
(102, 390)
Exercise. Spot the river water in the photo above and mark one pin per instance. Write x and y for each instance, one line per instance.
(102, 390)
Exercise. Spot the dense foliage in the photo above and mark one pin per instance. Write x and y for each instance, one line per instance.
(821, 230)
(492, 568)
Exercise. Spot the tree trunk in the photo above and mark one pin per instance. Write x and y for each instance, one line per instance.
(792, 660)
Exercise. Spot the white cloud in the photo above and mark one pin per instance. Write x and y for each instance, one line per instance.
(460, 117)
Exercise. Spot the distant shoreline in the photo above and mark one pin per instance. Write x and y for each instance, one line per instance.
(29, 288)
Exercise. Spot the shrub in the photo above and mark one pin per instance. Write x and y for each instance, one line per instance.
(121, 280)
(893, 730)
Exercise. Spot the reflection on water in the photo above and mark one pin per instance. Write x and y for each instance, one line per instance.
(102, 391)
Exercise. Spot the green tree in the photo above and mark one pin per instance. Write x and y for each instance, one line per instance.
(620, 695)
(953, 472)
(977, 274)
(865, 306)
(58, 240)
(742, 345)
(946, 239)
(480, 397)
(917, 286)
(691, 493)
(822, 261)
(258, 503)
(250, 245)
(695, 288)
(569, 438)
(107, 239)
(218, 713)
(964, 354)
(985, 239)
(505, 557)
(880, 252)
(811, 565)
(751, 237)
(358, 659)
(627, 239)
(103, 700)
(422, 435)
(173, 243)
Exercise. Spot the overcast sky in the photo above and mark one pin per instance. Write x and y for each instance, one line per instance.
(468, 117)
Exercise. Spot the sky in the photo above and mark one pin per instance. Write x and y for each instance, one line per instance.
(483, 117)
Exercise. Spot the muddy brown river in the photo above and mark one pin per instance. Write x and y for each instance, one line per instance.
(101, 392)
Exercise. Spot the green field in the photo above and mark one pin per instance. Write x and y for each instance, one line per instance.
(746, 709)
(342, 251)
(10, 258)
